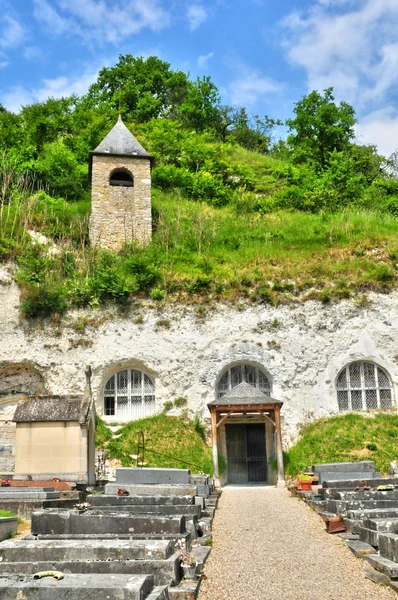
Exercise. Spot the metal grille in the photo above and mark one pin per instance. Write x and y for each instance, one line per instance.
(129, 395)
(251, 375)
(363, 386)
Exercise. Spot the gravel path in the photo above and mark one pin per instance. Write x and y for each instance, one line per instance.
(270, 546)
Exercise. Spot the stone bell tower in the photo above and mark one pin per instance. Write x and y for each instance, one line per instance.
(120, 191)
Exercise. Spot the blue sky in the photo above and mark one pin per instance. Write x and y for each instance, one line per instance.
(262, 54)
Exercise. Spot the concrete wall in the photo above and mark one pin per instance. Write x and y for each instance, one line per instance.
(301, 346)
(54, 447)
(120, 215)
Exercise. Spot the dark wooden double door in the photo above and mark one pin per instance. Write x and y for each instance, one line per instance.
(246, 453)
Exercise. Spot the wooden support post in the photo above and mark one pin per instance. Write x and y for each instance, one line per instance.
(279, 453)
(214, 445)
(223, 419)
(267, 418)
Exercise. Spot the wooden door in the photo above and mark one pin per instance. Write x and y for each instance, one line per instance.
(246, 453)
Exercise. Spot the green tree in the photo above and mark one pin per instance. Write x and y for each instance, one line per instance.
(320, 127)
(139, 88)
(200, 109)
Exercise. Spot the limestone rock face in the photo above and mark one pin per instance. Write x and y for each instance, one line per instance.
(301, 347)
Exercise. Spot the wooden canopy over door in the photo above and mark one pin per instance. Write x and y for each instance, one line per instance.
(244, 399)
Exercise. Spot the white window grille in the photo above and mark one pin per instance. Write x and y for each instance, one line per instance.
(235, 375)
(129, 395)
(363, 386)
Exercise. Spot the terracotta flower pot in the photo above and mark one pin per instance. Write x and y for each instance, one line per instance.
(306, 486)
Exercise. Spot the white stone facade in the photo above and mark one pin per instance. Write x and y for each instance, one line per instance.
(302, 348)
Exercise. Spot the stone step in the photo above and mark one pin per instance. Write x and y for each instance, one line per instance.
(152, 476)
(372, 513)
(388, 545)
(185, 590)
(206, 479)
(29, 495)
(167, 509)
(363, 466)
(347, 536)
(159, 592)
(347, 496)
(76, 550)
(360, 549)
(343, 506)
(185, 538)
(19, 489)
(115, 500)
(203, 490)
(387, 525)
(352, 525)
(371, 528)
(152, 490)
(51, 521)
(369, 536)
(164, 572)
(383, 565)
(343, 476)
(111, 587)
(350, 484)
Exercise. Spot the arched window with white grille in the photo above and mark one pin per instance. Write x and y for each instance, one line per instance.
(238, 373)
(128, 395)
(363, 386)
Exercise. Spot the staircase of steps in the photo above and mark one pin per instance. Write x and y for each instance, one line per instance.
(24, 500)
(370, 515)
(128, 536)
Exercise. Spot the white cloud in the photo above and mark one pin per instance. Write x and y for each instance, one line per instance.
(102, 20)
(380, 128)
(32, 53)
(58, 87)
(11, 32)
(251, 87)
(54, 23)
(203, 60)
(348, 45)
(4, 64)
(196, 15)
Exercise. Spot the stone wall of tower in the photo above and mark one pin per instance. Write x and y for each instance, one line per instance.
(120, 215)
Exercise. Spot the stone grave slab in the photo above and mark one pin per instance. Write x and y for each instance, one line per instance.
(143, 476)
(85, 587)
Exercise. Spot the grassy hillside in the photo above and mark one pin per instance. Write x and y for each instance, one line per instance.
(199, 253)
(237, 215)
(172, 442)
(350, 437)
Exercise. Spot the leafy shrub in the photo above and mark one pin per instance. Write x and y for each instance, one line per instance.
(43, 300)
(199, 427)
(157, 294)
(180, 401)
(102, 433)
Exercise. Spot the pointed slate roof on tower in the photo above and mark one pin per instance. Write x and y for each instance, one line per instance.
(244, 393)
(120, 141)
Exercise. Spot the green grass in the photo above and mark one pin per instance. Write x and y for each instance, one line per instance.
(102, 433)
(201, 252)
(170, 442)
(350, 437)
(7, 513)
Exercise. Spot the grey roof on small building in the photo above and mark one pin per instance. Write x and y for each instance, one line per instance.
(244, 393)
(52, 408)
(120, 141)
